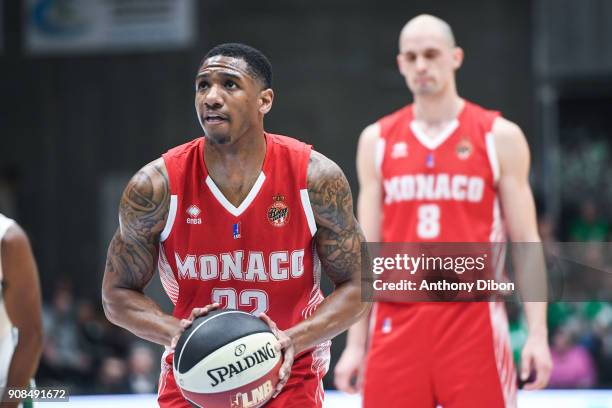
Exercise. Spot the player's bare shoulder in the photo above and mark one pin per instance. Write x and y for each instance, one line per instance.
(369, 137)
(329, 192)
(510, 144)
(338, 238)
(143, 209)
(14, 236)
(369, 151)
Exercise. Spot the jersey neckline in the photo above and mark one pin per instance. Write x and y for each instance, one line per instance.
(435, 142)
(253, 192)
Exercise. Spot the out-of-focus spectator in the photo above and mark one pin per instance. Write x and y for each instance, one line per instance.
(142, 370)
(589, 226)
(572, 364)
(112, 377)
(63, 360)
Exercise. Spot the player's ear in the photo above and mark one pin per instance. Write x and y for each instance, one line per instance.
(266, 97)
(401, 63)
(457, 57)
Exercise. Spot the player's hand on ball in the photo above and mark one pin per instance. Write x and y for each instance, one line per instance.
(286, 345)
(348, 372)
(535, 358)
(186, 323)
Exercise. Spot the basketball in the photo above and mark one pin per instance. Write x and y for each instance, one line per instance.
(227, 359)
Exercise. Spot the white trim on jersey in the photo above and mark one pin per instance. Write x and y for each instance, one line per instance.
(5, 224)
(166, 276)
(379, 155)
(166, 369)
(492, 153)
(432, 143)
(503, 353)
(312, 225)
(498, 233)
(236, 211)
(321, 353)
(171, 217)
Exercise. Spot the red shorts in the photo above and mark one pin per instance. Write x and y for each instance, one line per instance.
(304, 388)
(456, 355)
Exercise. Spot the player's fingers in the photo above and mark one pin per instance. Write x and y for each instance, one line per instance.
(542, 372)
(358, 380)
(185, 323)
(530, 386)
(269, 322)
(342, 381)
(173, 342)
(213, 306)
(284, 341)
(285, 370)
(280, 345)
(526, 367)
(195, 312)
(283, 374)
(199, 311)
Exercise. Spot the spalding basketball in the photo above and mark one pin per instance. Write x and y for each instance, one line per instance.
(227, 359)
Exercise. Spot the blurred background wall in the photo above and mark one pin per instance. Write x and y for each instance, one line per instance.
(75, 125)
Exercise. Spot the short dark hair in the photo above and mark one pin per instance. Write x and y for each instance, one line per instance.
(258, 65)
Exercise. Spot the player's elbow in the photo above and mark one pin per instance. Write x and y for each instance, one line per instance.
(353, 298)
(110, 304)
(31, 338)
(37, 341)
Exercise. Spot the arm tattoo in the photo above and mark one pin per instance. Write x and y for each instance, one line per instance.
(338, 237)
(143, 210)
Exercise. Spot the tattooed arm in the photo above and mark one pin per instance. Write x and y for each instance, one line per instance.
(338, 243)
(132, 257)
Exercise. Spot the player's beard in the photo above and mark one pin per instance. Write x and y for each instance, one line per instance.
(217, 138)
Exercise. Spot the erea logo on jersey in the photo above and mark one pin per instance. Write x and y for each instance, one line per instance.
(193, 211)
(278, 212)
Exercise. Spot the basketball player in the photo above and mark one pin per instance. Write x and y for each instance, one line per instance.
(448, 354)
(240, 218)
(21, 333)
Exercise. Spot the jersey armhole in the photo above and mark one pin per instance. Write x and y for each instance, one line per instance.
(304, 197)
(173, 206)
(312, 225)
(171, 217)
(492, 154)
(5, 224)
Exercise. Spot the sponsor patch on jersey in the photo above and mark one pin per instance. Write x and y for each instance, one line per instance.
(193, 211)
(278, 212)
(399, 150)
(464, 149)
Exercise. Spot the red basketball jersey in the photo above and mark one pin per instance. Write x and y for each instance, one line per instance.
(257, 257)
(439, 189)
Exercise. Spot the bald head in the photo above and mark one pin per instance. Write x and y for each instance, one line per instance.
(428, 25)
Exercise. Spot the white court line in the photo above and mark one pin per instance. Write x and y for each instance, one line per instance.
(335, 399)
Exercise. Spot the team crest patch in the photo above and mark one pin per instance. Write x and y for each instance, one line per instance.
(464, 149)
(278, 212)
